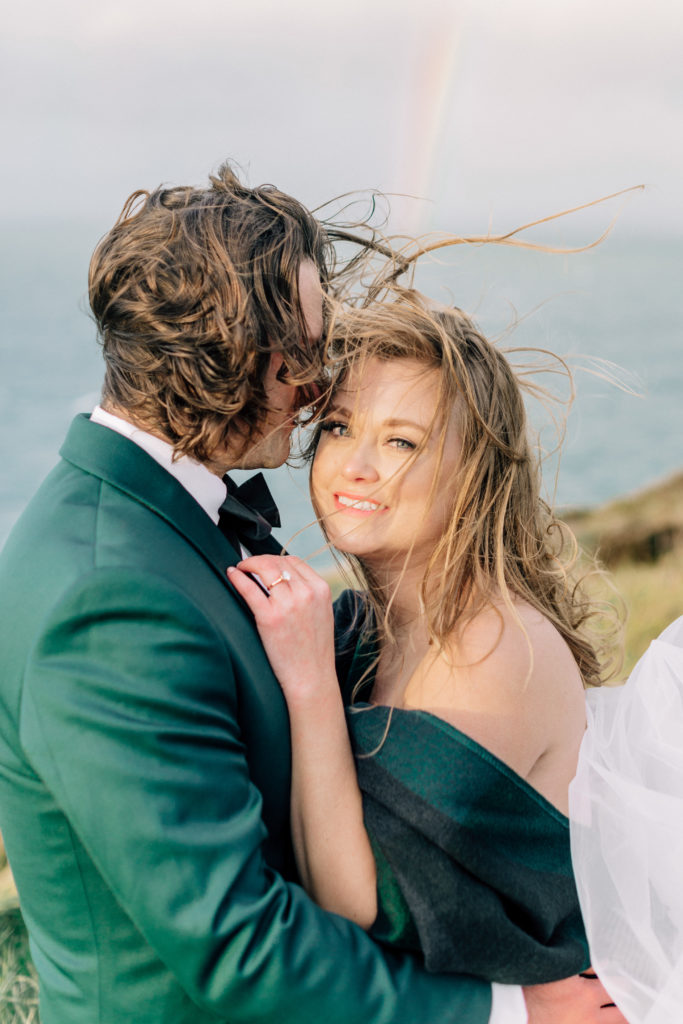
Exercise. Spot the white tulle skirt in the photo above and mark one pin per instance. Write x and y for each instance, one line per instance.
(626, 810)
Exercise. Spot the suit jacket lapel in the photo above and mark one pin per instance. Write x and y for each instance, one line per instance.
(118, 461)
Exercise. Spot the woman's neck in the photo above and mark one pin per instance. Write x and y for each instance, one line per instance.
(401, 586)
(408, 639)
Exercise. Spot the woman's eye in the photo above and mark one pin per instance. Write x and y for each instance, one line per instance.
(402, 443)
(335, 427)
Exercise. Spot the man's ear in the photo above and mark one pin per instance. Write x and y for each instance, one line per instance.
(276, 368)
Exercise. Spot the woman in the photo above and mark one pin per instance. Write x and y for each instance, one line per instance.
(463, 663)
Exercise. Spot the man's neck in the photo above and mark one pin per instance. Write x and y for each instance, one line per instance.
(205, 487)
(219, 467)
(129, 417)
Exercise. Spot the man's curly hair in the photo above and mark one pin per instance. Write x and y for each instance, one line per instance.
(192, 291)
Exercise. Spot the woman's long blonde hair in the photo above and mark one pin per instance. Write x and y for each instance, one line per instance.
(501, 539)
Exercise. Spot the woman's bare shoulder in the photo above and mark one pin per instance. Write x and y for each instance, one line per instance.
(509, 680)
(513, 647)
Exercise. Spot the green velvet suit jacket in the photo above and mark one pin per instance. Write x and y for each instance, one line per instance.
(145, 772)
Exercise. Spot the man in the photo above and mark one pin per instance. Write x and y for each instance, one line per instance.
(144, 745)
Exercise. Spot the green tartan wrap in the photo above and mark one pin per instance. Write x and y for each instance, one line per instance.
(473, 864)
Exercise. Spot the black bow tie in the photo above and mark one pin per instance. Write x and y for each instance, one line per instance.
(249, 512)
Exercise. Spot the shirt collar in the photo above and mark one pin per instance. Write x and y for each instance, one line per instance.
(207, 489)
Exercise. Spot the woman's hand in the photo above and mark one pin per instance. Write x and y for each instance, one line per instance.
(578, 1000)
(294, 619)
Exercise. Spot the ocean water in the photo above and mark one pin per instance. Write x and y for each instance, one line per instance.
(621, 303)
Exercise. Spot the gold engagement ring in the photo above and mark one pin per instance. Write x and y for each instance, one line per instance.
(283, 578)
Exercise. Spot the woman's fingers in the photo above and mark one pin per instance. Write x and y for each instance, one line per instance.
(289, 580)
(302, 569)
(248, 588)
(270, 569)
(281, 588)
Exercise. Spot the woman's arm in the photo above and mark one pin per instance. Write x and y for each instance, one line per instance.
(296, 626)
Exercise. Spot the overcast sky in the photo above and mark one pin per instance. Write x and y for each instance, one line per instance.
(490, 109)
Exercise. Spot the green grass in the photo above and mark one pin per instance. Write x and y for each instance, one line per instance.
(640, 538)
(653, 594)
(18, 983)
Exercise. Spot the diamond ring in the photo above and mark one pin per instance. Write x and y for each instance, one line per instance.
(283, 578)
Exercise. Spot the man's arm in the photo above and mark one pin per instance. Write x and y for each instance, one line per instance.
(130, 716)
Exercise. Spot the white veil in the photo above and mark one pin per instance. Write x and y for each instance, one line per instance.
(626, 810)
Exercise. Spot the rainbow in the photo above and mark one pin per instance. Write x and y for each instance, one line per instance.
(427, 117)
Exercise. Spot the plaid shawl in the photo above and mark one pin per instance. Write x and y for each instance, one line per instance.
(473, 864)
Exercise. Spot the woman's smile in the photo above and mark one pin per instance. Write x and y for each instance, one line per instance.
(356, 504)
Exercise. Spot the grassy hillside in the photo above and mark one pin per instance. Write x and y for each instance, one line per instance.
(18, 985)
(639, 538)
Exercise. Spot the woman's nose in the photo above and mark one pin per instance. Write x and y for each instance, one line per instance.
(359, 465)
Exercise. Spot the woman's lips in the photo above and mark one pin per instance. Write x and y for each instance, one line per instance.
(357, 505)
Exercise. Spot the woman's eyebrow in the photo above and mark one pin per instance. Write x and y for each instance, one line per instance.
(405, 423)
(339, 410)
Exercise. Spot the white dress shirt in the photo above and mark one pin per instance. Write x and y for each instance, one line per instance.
(207, 489)
(508, 1005)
